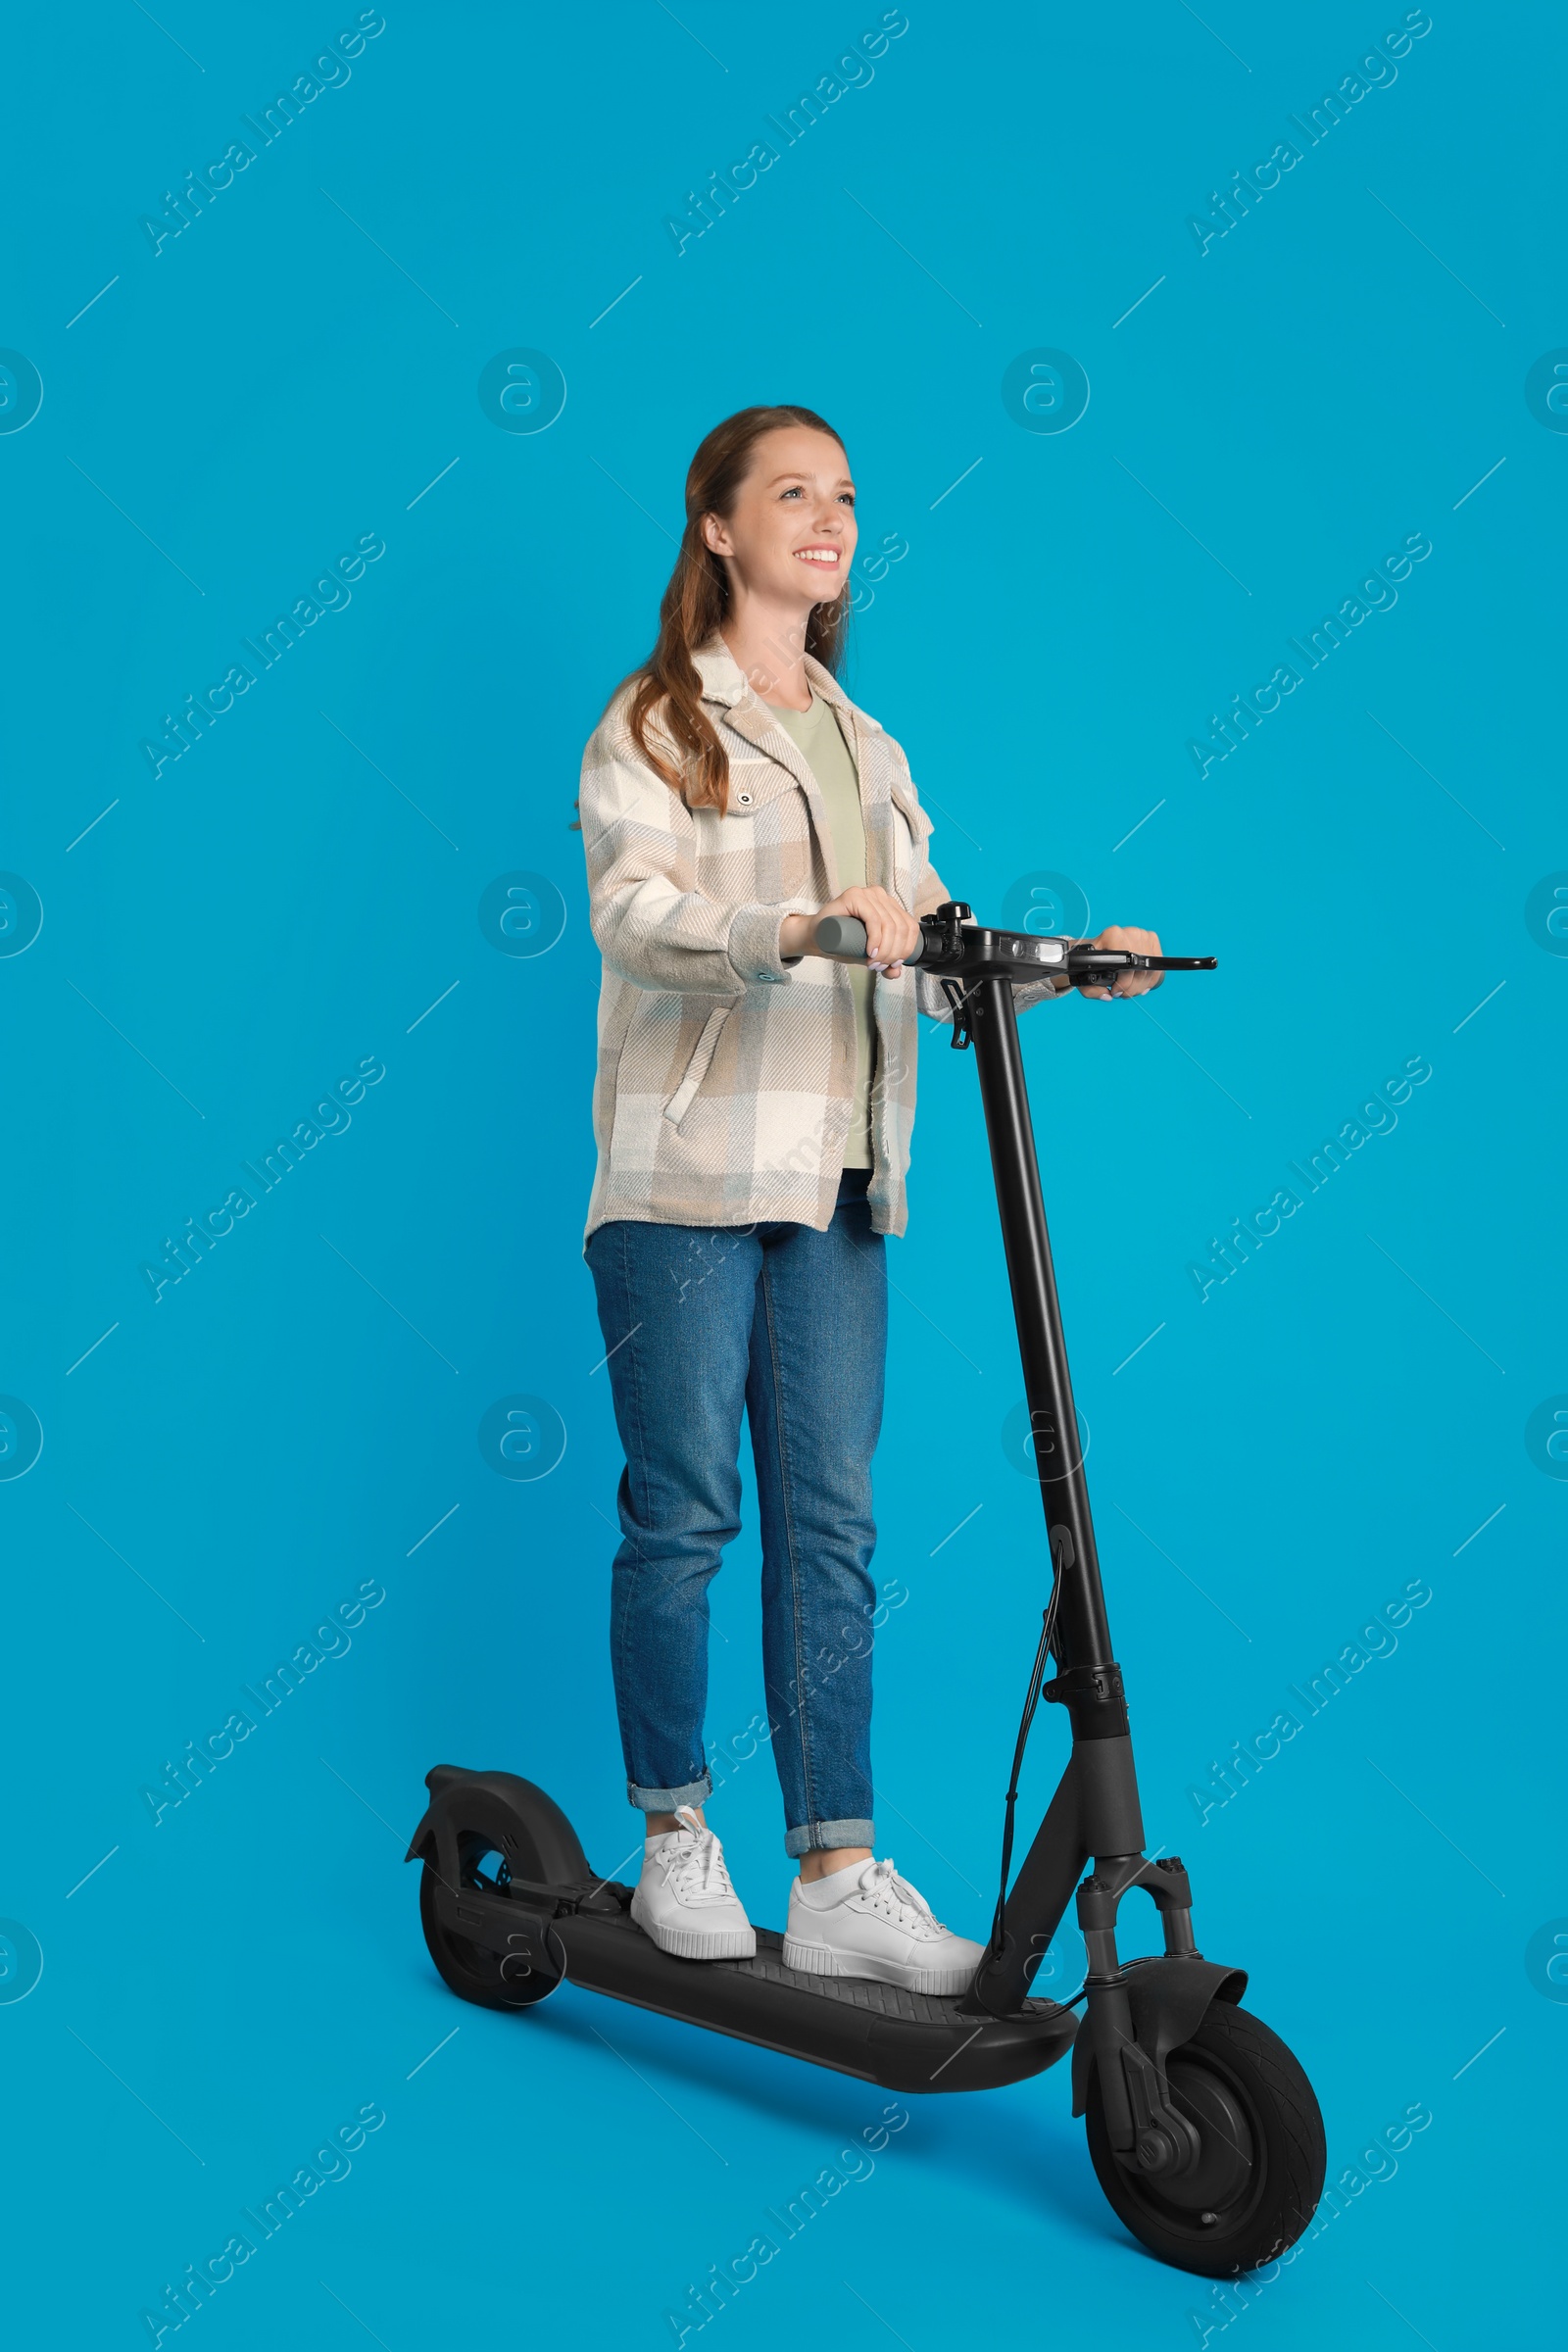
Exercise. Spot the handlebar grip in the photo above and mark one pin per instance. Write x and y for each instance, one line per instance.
(843, 938)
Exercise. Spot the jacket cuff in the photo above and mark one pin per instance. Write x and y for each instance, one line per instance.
(1026, 993)
(753, 943)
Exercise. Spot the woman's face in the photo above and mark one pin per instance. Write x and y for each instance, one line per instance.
(791, 537)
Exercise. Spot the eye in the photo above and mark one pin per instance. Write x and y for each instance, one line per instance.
(795, 492)
(847, 498)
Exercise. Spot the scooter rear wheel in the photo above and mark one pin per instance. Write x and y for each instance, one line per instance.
(493, 1979)
(1260, 2172)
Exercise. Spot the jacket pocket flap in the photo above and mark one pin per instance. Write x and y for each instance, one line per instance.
(680, 1101)
(906, 799)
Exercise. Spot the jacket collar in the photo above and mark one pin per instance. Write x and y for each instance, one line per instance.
(724, 682)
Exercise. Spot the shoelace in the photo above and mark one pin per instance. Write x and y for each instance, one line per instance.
(897, 1901)
(695, 1871)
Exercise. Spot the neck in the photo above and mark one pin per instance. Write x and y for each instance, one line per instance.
(768, 643)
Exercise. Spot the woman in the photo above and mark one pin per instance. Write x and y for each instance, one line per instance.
(751, 1112)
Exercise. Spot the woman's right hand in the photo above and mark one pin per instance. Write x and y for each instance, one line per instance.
(892, 932)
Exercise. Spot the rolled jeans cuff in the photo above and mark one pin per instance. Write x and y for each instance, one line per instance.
(669, 1800)
(820, 1834)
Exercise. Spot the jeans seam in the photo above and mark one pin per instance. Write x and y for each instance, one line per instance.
(787, 1510)
(635, 1453)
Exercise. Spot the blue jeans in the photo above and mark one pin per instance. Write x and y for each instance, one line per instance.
(790, 1323)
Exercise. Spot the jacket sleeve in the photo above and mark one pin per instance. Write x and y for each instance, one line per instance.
(930, 893)
(650, 921)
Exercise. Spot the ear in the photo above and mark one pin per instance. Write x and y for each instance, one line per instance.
(715, 537)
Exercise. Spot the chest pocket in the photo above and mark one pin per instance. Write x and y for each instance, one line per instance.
(908, 826)
(908, 807)
(680, 1102)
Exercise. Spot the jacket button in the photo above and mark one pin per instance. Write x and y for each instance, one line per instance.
(743, 800)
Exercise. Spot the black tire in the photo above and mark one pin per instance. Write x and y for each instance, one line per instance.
(492, 1979)
(1260, 2172)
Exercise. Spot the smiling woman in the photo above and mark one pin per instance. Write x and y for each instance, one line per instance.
(732, 796)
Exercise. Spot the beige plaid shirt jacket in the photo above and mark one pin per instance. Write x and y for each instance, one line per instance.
(724, 1081)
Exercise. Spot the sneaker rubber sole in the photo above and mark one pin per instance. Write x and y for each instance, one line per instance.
(818, 1960)
(692, 1943)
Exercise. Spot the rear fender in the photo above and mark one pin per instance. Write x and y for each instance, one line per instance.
(521, 1820)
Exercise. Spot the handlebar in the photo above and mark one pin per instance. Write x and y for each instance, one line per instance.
(952, 944)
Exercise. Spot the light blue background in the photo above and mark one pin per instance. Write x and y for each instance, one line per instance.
(228, 940)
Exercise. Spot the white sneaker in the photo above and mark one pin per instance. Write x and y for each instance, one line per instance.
(865, 1921)
(684, 1899)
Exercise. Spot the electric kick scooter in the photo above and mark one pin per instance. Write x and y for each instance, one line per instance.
(1203, 2128)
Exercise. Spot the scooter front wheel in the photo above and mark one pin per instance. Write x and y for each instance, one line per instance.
(1261, 2153)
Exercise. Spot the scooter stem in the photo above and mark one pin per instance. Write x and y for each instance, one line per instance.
(1096, 1810)
(1083, 1634)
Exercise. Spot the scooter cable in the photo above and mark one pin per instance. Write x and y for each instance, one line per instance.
(1030, 1704)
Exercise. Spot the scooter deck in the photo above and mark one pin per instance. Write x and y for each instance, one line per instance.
(907, 2041)
(546, 1917)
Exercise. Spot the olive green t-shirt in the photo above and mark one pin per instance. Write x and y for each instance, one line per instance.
(818, 733)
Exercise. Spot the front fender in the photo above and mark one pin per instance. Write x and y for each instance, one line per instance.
(1169, 1999)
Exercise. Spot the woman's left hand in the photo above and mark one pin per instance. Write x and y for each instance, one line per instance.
(1125, 984)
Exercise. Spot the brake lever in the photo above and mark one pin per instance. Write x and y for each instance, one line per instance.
(1086, 962)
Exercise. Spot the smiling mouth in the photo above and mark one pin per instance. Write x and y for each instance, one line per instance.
(827, 557)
